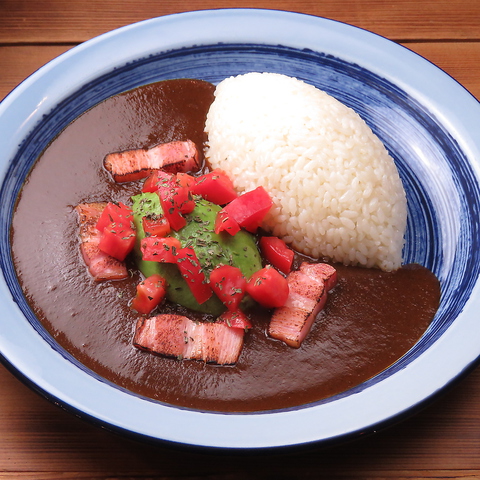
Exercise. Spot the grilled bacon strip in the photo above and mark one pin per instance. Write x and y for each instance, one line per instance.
(178, 336)
(307, 297)
(171, 157)
(100, 265)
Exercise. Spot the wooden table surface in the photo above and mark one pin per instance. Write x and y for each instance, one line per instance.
(38, 440)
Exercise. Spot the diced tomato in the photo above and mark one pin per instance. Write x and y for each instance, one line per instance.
(156, 249)
(216, 187)
(117, 241)
(224, 223)
(229, 284)
(100, 265)
(117, 213)
(268, 287)
(156, 225)
(176, 187)
(185, 180)
(176, 200)
(150, 292)
(277, 253)
(171, 212)
(175, 195)
(174, 216)
(235, 319)
(182, 198)
(191, 271)
(157, 179)
(249, 209)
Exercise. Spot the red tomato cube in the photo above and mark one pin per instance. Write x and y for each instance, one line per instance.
(163, 250)
(276, 252)
(156, 225)
(268, 287)
(116, 241)
(150, 292)
(224, 223)
(176, 200)
(229, 285)
(249, 209)
(192, 272)
(216, 187)
(117, 213)
(156, 180)
(181, 198)
(171, 211)
(185, 180)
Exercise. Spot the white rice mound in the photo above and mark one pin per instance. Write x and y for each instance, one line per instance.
(337, 193)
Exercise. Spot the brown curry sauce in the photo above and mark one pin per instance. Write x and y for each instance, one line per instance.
(371, 318)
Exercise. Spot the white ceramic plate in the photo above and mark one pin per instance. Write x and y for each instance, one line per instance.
(427, 121)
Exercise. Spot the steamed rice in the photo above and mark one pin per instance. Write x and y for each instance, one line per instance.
(336, 191)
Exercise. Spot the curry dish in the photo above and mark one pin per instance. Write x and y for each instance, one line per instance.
(371, 318)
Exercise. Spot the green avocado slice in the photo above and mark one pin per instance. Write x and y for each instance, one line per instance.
(212, 250)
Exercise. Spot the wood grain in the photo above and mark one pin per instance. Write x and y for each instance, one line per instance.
(459, 59)
(17, 63)
(36, 436)
(38, 440)
(24, 21)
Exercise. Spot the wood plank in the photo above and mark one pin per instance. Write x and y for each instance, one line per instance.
(408, 475)
(17, 63)
(37, 436)
(459, 60)
(66, 21)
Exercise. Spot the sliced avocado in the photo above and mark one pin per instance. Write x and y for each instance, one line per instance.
(212, 250)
